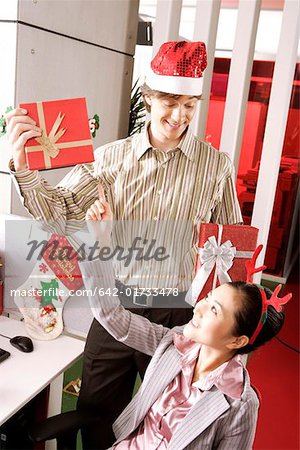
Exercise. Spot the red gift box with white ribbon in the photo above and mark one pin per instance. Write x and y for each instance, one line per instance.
(222, 253)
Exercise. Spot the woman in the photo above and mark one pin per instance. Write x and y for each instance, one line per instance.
(196, 393)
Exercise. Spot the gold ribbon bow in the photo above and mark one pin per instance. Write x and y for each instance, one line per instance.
(48, 143)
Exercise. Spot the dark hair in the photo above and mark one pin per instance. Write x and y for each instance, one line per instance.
(248, 316)
(146, 90)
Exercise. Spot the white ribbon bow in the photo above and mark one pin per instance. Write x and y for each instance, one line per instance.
(212, 255)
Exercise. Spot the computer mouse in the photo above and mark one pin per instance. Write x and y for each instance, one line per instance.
(22, 343)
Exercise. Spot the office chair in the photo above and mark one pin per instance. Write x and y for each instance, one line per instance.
(62, 427)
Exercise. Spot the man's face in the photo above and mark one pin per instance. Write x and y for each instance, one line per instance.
(170, 117)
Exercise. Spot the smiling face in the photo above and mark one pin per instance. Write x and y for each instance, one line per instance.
(170, 117)
(213, 321)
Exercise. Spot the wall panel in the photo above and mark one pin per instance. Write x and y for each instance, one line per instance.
(101, 22)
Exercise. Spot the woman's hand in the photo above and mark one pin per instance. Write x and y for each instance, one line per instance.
(20, 128)
(99, 218)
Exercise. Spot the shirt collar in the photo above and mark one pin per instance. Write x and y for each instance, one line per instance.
(228, 378)
(187, 348)
(142, 143)
(186, 145)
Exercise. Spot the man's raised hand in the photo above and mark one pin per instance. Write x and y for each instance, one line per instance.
(99, 218)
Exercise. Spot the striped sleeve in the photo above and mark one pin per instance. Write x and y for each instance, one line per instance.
(227, 209)
(133, 330)
(62, 208)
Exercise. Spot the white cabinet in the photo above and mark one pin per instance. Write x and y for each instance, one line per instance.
(108, 23)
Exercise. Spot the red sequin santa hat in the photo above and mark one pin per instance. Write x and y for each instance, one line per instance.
(178, 68)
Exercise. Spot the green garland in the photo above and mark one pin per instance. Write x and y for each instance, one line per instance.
(3, 123)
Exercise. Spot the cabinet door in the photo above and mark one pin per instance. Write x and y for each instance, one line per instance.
(110, 23)
(8, 36)
(55, 67)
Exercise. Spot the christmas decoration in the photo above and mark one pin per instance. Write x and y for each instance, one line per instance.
(223, 252)
(178, 68)
(274, 300)
(94, 124)
(66, 137)
(42, 297)
(3, 123)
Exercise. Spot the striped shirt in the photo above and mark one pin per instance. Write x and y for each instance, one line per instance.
(158, 198)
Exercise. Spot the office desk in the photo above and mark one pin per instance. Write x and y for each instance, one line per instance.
(24, 375)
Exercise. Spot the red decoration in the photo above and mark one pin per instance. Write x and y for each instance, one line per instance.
(250, 265)
(47, 310)
(242, 237)
(43, 268)
(37, 296)
(274, 301)
(63, 261)
(66, 138)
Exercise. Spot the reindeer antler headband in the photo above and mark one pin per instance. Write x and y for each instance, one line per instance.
(274, 301)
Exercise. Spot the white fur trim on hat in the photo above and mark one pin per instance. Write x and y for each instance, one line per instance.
(174, 84)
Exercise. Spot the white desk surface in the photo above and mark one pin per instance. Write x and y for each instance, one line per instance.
(24, 375)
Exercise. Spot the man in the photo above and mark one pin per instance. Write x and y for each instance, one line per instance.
(160, 184)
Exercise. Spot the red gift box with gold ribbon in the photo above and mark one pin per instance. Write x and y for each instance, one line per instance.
(66, 137)
(222, 253)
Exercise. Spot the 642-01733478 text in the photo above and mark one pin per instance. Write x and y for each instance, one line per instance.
(137, 291)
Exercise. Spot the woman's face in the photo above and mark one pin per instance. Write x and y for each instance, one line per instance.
(213, 321)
